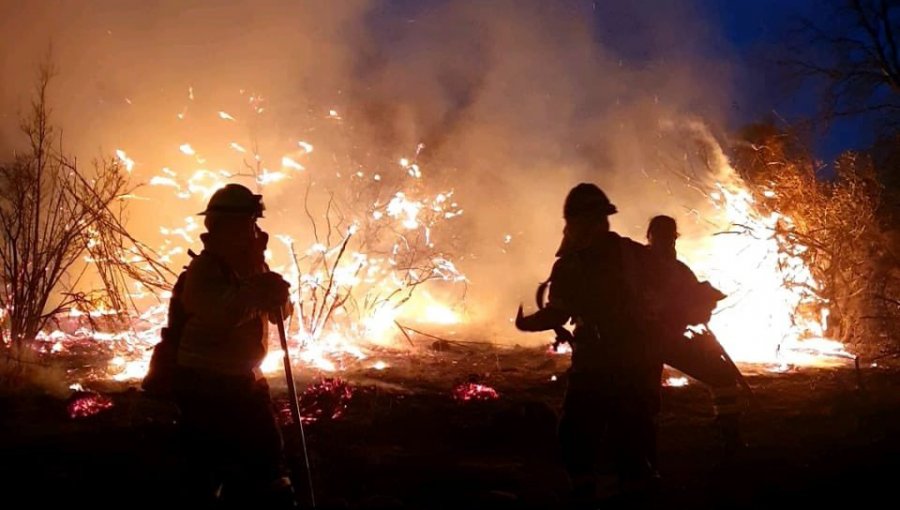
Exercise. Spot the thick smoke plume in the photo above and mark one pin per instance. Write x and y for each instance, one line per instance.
(513, 103)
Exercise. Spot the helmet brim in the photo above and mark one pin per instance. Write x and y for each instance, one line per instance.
(221, 212)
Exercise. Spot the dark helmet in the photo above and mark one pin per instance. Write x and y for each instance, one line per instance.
(662, 227)
(235, 199)
(587, 199)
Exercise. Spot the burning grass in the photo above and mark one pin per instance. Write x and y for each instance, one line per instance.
(372, 264)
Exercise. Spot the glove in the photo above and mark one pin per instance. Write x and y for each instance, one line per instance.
(258, 249)
(520, 319)
(268, 291)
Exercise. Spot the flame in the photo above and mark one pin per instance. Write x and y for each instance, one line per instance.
(268, 177)
(676, 382)
(425, 308)
(289, 162)
(157, 180)
(765, 317)
(128, 162)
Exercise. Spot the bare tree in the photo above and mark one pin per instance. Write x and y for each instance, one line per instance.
(59, 225)
(855, 51)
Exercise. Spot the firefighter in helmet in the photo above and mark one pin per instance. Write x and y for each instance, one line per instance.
(691, 303)
(595, 283)
(228, 297)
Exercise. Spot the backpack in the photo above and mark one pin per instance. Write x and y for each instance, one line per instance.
(160, 378)
(692, 302)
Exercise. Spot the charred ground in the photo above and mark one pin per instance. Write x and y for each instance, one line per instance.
(404, 441)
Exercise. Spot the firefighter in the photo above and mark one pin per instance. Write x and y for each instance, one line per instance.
(228, 420)
(690, 302)
(594, 283)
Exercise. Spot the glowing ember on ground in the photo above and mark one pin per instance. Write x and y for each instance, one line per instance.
(380, 365)
(88, 404)
(559, 349)
(474, 391)
(326, 399)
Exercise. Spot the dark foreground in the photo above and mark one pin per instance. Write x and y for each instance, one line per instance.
(404, 441)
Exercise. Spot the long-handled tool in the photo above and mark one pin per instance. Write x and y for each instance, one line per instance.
(738, 376)
(295, 403)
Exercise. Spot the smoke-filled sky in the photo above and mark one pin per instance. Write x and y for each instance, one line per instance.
(514, 101)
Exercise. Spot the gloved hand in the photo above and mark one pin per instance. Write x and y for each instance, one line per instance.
(520, 319)
(268, 291)
(258, 249)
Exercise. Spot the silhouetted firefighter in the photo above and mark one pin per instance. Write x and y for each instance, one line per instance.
(210, 356)
(599, 282)
(688, 302)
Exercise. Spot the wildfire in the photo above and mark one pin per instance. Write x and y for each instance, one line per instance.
(771, 314)
(355, 285)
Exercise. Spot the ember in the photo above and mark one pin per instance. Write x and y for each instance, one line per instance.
(88, 403)
(676, 382)
(562, 348)
(474, 391)
(326, 399)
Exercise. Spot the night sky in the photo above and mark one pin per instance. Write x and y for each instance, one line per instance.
(757, 32)
(752, 36)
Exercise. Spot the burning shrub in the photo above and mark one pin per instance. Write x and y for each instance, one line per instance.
(830, 223)
(359, 237)
(367, 272)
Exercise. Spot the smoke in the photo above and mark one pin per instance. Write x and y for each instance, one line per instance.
(518, 101)
(514, 101)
